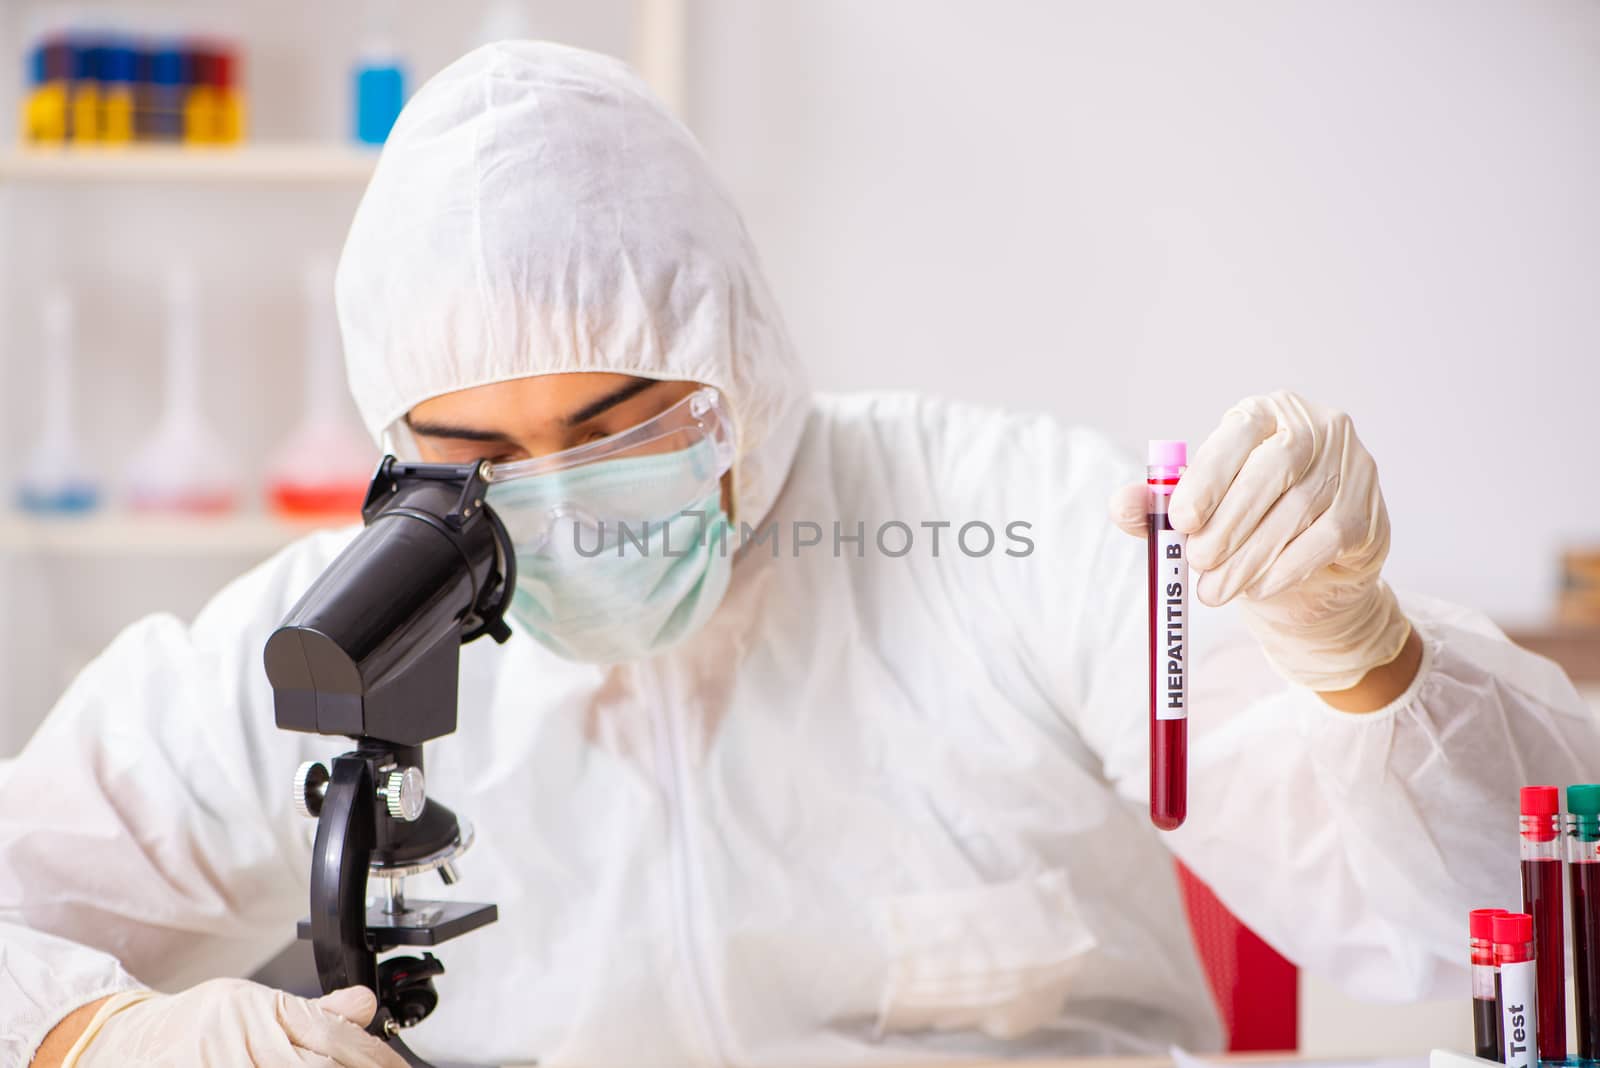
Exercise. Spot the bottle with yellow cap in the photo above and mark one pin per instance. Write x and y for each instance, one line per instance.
(118, 98)
(201, 104)
(232, 114)
(46, 118)
(86, 109)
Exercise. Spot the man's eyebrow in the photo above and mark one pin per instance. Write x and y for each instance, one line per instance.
(459, 433)
(497, 437)
(610, 400)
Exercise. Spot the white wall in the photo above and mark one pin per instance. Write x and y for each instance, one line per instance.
(1134, 214)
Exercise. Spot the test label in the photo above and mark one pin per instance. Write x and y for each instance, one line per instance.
(1171, 625)
(1518, 983)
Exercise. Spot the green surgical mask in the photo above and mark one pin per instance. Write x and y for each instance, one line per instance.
(606, 590)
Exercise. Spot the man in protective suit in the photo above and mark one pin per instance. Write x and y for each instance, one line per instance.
(848, 781)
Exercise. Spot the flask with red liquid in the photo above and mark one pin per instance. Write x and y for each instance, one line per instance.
(183, 466)
(322, 469)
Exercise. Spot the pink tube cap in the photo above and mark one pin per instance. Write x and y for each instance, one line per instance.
(1168, 453)
(1540, 801)
(1514, 928)
(1480, 922)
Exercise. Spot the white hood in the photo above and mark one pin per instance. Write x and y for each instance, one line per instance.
(537, 210)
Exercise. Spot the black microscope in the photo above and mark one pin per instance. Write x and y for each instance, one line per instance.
(372, 652)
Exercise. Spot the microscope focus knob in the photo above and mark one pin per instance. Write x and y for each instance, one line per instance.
(404, 792)
(310, 786)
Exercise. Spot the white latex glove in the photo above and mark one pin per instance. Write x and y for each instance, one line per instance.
(231, 1023)
(1281, 504)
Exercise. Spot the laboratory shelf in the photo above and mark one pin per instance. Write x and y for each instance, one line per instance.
(1576, 647)
(266, 164)
(120, 534)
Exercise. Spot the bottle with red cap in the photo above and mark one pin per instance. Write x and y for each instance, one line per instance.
(232, 111)
(1485, 1007)
(1517, 986)
(1543, 899)
(213, 113)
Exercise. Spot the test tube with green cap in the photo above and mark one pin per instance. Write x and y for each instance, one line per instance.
(1583, 874)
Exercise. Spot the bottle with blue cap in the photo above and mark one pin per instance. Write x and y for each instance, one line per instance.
(88, 54)
(167, 92)
(118, 90)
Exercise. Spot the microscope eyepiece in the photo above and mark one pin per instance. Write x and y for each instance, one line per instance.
(371, 650)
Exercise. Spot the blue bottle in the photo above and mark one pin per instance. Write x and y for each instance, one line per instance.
(380, 92)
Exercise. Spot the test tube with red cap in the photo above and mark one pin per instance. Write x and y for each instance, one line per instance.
(1485, 1008)
(1517, 988)
(1583, 875)
(1542, 899)
(1169, 641)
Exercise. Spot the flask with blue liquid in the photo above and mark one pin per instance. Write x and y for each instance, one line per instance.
(55, 475)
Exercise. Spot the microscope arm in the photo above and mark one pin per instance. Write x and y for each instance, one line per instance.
(346, 836)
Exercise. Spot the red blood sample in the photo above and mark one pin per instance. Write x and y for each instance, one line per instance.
(1542, 899)
(1169, 738)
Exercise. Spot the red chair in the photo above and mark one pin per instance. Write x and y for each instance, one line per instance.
(1257, 991)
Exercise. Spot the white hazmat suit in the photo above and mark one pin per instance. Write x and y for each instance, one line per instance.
(880, 809)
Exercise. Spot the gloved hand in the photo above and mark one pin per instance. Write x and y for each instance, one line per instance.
(231, 1023)
(1281, 504)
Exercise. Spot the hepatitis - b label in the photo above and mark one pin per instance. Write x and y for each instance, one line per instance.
(1171, 625)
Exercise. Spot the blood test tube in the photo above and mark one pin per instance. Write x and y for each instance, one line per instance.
(1542, 899)
(1517, 985)
(1485, 1009)
(1169, 641)
(1583, 873)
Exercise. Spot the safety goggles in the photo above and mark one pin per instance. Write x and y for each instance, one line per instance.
(645, 475)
